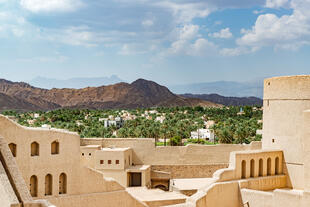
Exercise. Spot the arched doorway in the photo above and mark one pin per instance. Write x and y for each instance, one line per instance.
(243, 169)
(48, 184)
(269, 166)
(261, 167)
(252, 168)
(277, 166)
(62, 183)
(33, 186)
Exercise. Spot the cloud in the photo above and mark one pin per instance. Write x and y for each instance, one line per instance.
(51, 5)
(147, 23)
(288, 32)
(224, 34)
(276, 3)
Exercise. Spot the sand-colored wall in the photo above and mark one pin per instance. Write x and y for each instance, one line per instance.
(221, 194)
(145, 152)
(278, 197)
(285, 100)
(108, 199)
(189, 171)
(81, 181)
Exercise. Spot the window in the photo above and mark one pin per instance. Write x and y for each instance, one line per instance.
(109, 162)
(101, 162)
(55, 148)
(272, 140)
(48, 184)
(12, 147)
(35, 149)
(33, 186)
(89, 154)
(117, 162)
(62, 183)
(82, 154)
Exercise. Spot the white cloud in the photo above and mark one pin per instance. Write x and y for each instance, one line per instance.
(147, 23)
(189, 32)
(224, 34)
(50, 5)
(185, 12)
(285, 32)
(203, 47)
(276, 3)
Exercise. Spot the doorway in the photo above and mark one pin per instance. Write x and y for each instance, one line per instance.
(135, 179)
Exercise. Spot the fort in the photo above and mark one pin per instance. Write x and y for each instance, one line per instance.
(43, 167)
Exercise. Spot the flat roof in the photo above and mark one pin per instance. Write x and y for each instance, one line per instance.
(115, 149)
(91, 146)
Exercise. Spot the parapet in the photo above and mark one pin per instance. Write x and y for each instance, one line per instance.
(287, 88)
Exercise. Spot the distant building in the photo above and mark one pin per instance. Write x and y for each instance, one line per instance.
(46, 126)
(241, 112)
(118, 122)
(207, 134)
(160, 119)
(209, 124)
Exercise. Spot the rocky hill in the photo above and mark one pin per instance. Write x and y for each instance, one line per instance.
(140, 93)
(227, 101)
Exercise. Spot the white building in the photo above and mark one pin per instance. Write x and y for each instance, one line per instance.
(118, 122)
(207, 134)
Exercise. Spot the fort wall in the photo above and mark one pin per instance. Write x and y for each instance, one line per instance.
(285, 100)
(145, 152)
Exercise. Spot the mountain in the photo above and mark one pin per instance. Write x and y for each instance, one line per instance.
(140, 93)
(13, 103)
(49, 83)
(225, 88)
(227, 101)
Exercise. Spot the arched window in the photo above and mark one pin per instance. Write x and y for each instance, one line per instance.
(62, 183)
(269, 166)
(261, 167)
(252, 168)
(48, 184)
(35, 148)
(13, 149)
(33, 186)
(55, 148)
(243, 169)
(277, 165)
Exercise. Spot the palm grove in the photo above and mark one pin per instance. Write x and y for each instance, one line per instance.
(177, 124)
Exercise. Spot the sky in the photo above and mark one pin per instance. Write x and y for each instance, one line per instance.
(167, 41)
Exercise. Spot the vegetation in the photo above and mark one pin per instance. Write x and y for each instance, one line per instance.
(175, 124)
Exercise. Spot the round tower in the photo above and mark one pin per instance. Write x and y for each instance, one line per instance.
(285, 101)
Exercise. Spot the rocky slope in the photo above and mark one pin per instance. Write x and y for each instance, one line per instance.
(140, 93)
(227, 101)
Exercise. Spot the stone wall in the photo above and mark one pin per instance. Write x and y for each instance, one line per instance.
(145, 152)
(189, 171)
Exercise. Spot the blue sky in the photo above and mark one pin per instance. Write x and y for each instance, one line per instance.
(168, 41)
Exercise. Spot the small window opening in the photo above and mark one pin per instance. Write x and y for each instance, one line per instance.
(101, 162)
(117, 162)
(109, 162)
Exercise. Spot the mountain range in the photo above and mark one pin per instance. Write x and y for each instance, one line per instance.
(49, 83)
(138, 94)
(252, 88)
(227, 101)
